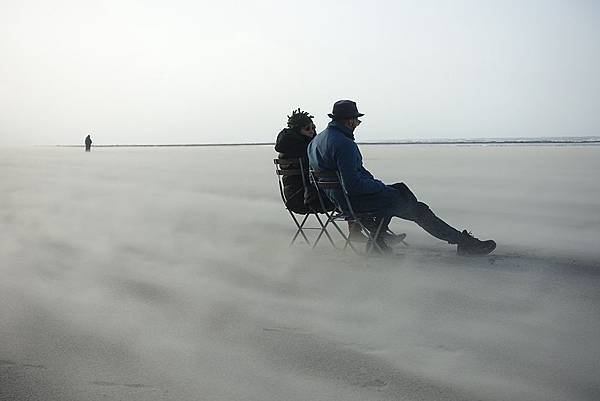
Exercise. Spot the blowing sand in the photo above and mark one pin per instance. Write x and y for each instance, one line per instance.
(164, 274)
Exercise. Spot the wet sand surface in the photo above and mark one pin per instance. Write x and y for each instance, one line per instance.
(164, 274)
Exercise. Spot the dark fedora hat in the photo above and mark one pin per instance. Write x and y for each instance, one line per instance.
(343, 109)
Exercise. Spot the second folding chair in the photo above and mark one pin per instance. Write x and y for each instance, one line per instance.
(331, 180)
(297, 169)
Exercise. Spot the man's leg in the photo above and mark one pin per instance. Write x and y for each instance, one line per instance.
(420, 213)
(409, 208)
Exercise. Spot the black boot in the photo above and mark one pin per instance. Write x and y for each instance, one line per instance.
(471, 246)
(378, 248)
(394, 239)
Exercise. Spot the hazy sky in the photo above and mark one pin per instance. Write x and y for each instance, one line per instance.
(229, 71)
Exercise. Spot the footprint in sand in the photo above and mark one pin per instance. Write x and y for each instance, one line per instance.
(128, 385)
(10, 364)
(28, 365)
(374, 383)
(6, 364)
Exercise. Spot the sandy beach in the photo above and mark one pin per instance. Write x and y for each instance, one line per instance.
(165, 274)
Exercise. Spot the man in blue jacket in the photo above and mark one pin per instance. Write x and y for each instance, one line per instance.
(334, 149)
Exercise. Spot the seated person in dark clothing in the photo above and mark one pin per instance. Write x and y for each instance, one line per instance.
(334, 149)
(292, 143)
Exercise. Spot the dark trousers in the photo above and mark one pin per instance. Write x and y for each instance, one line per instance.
(399, 201)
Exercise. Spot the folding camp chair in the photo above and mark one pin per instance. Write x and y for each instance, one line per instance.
(291, 168)
(332, 180)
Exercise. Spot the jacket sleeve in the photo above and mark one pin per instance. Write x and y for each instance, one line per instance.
(366, 173)
(353, 173)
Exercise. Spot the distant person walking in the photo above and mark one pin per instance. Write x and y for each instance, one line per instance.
(334, 149)
(88, 143)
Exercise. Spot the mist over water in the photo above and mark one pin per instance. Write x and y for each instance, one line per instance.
(164, 274)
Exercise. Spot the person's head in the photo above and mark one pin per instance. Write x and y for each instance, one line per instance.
(346, 113)
(301, 122)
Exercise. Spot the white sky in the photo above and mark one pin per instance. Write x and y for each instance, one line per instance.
(230, 71)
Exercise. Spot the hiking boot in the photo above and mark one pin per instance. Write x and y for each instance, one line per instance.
(471, 246)
(394, 239)
(383, 248)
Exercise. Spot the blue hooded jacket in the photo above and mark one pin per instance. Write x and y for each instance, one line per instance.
(334, 149)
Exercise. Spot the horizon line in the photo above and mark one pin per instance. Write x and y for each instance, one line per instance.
(501, 141)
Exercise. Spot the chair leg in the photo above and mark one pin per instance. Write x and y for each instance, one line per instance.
(373, 239)
(299, 231)
(348, 242)
(323, 229)
(347, 238)
(330, 219)
(377, 233)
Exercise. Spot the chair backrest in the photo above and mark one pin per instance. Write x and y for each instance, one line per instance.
(290, 168)
(331, 181)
